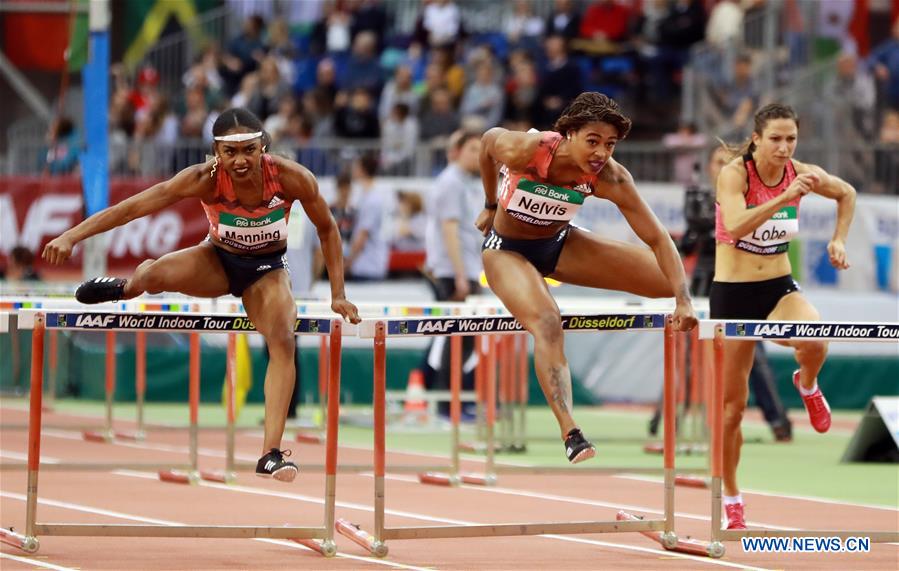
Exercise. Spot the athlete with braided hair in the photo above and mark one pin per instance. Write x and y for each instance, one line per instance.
(543, 180)
(247, 195)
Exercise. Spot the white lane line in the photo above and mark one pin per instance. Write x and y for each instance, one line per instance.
(246, 458)
(154, 521)
(654, 480)
(36, 563)
(447, 521)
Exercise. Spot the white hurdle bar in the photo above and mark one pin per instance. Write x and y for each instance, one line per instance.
(753, 330)
(380, 330)
(41, 321)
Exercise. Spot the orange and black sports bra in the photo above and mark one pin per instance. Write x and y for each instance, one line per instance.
(528, 197)
(249, 229)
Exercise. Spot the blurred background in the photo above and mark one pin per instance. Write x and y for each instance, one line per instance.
(101, 99)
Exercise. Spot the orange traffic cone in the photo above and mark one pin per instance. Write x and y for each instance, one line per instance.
(416, 405)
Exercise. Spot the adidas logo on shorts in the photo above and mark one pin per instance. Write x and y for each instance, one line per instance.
(264, 267)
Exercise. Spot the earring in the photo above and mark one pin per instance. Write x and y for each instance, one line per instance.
(215, 165)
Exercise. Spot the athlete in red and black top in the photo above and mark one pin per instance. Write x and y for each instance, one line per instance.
(246, 194)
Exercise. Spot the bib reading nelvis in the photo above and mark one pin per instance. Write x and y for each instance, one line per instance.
(543, 204)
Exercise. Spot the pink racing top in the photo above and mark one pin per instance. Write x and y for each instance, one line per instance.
(774, 235)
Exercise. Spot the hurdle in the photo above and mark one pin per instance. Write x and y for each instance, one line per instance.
(737, 330)
(321, 539)
(380, 330)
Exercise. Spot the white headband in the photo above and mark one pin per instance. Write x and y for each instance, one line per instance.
(239, 137)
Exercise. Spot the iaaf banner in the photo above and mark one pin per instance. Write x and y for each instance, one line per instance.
(171, 322)
(35, 210)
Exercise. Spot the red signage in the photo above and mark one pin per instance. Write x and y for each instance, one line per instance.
(34, 210)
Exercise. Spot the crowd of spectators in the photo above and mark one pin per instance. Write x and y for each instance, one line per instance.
(321, 70)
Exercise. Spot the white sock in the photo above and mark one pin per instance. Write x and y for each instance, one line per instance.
(730, 500)
(808, 392)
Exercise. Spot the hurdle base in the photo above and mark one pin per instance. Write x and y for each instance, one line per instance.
(325, 547)
(478, 448)
(26, 543)
(438, 479)
(478, 479)
(178, 477)
(218, 476)
(309, 438)
(104, 437)
(670, 541)
(137, 436)
(683, 449)
(691, 481)
(361, 537)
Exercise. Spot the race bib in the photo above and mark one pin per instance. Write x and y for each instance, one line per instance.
(543, 204)
(252, 233)
(772, 237)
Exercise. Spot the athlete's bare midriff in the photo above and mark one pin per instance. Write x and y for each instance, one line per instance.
(733, 265)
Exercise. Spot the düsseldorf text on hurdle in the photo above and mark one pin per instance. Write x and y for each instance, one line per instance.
(661, 530)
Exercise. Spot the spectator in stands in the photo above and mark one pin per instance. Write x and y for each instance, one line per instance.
(270, 90)
(20, 266)
(688, 145)
(399, 90)
(725, 25)
(249, 85)
(61, 156)
(521, 26)
(851, 97)
(356, 117)
(440, 24)
(736, 100)
(195, 113)
(362, 68)
(564, 20)
(331, 34)
(145, 92)
(326, 79)
(483, 98)
(277, 125)
(409, 222)
(244, 52)
(451, 72)
(886, 157)
(205, 73)
(439, 117)
(343, 213)
(605, 20)
(283, 50)
(155, 134)
(369, 254)
(370, 16)
(560, 83)
(399, 138)
(885, 62)
(318, 108)
(682, 26)
(521, 92)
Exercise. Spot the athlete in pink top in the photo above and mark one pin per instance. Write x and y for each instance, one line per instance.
(757, 214)
(545, 179)
(246, 194)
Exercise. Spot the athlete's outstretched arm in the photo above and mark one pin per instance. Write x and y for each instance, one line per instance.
(647, 227)
(186, 183)
(838, 189)
(299, 183)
